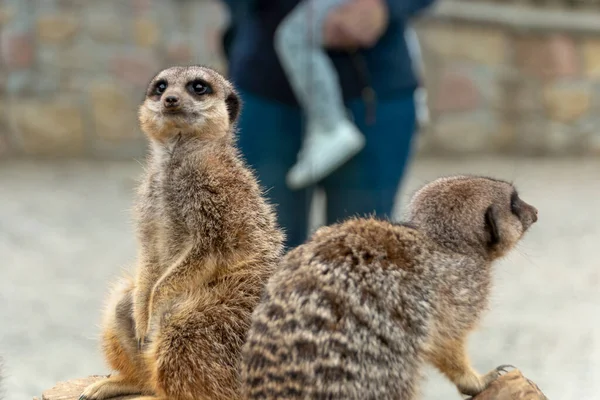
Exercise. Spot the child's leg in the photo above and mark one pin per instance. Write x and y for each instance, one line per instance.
(298, 42)
(331, 138)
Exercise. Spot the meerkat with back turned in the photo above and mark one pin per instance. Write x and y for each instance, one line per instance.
(353, 313)
(208, 241)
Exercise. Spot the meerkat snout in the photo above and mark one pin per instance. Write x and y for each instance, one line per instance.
(527, 213)
(171, 102)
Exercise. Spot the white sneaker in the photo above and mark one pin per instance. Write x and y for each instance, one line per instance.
(323, 152)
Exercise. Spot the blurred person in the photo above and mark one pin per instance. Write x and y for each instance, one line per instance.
(366, 43)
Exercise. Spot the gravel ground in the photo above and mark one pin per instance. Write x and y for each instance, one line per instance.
(65, 233)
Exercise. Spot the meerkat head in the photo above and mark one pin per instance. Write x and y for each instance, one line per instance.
(472, 214)
(192, 100)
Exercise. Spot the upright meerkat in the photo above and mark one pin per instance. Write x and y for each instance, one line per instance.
(353, 313)
(208, 241)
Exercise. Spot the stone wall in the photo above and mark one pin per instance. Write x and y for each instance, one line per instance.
(515, 76)
(72, 72)
(512, 77)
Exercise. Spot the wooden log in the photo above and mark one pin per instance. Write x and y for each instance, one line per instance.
(511, 386)
(71, 390)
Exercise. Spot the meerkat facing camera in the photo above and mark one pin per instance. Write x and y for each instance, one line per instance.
(353, 313)
(208, 241)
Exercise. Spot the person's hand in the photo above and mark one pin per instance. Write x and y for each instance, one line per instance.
(334, 33)
(359, 23)
(365, 20)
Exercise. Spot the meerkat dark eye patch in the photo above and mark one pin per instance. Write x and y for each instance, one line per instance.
(199, 87)
(159, 87)
(491, 226)
(514, 203)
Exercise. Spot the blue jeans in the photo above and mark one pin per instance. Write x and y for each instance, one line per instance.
(270, 136)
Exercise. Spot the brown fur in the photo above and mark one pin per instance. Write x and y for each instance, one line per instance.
(208, 241)
(353, 313)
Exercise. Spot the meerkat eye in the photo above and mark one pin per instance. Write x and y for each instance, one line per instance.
(200, 87)
(160, 87)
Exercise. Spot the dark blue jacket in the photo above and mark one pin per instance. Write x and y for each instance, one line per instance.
(254, 65)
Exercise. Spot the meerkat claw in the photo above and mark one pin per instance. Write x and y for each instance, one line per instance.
(82, 397)
(504, 367)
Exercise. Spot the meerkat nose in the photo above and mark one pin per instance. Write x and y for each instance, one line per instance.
(534, 214)
(171, 101)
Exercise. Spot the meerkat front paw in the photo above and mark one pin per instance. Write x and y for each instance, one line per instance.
(142, 339)
(141, 328)
(145, 322)
(473, 385)
(140, 335)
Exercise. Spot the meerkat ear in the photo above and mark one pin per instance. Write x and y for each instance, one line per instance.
(234, 104)
(491, 226)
